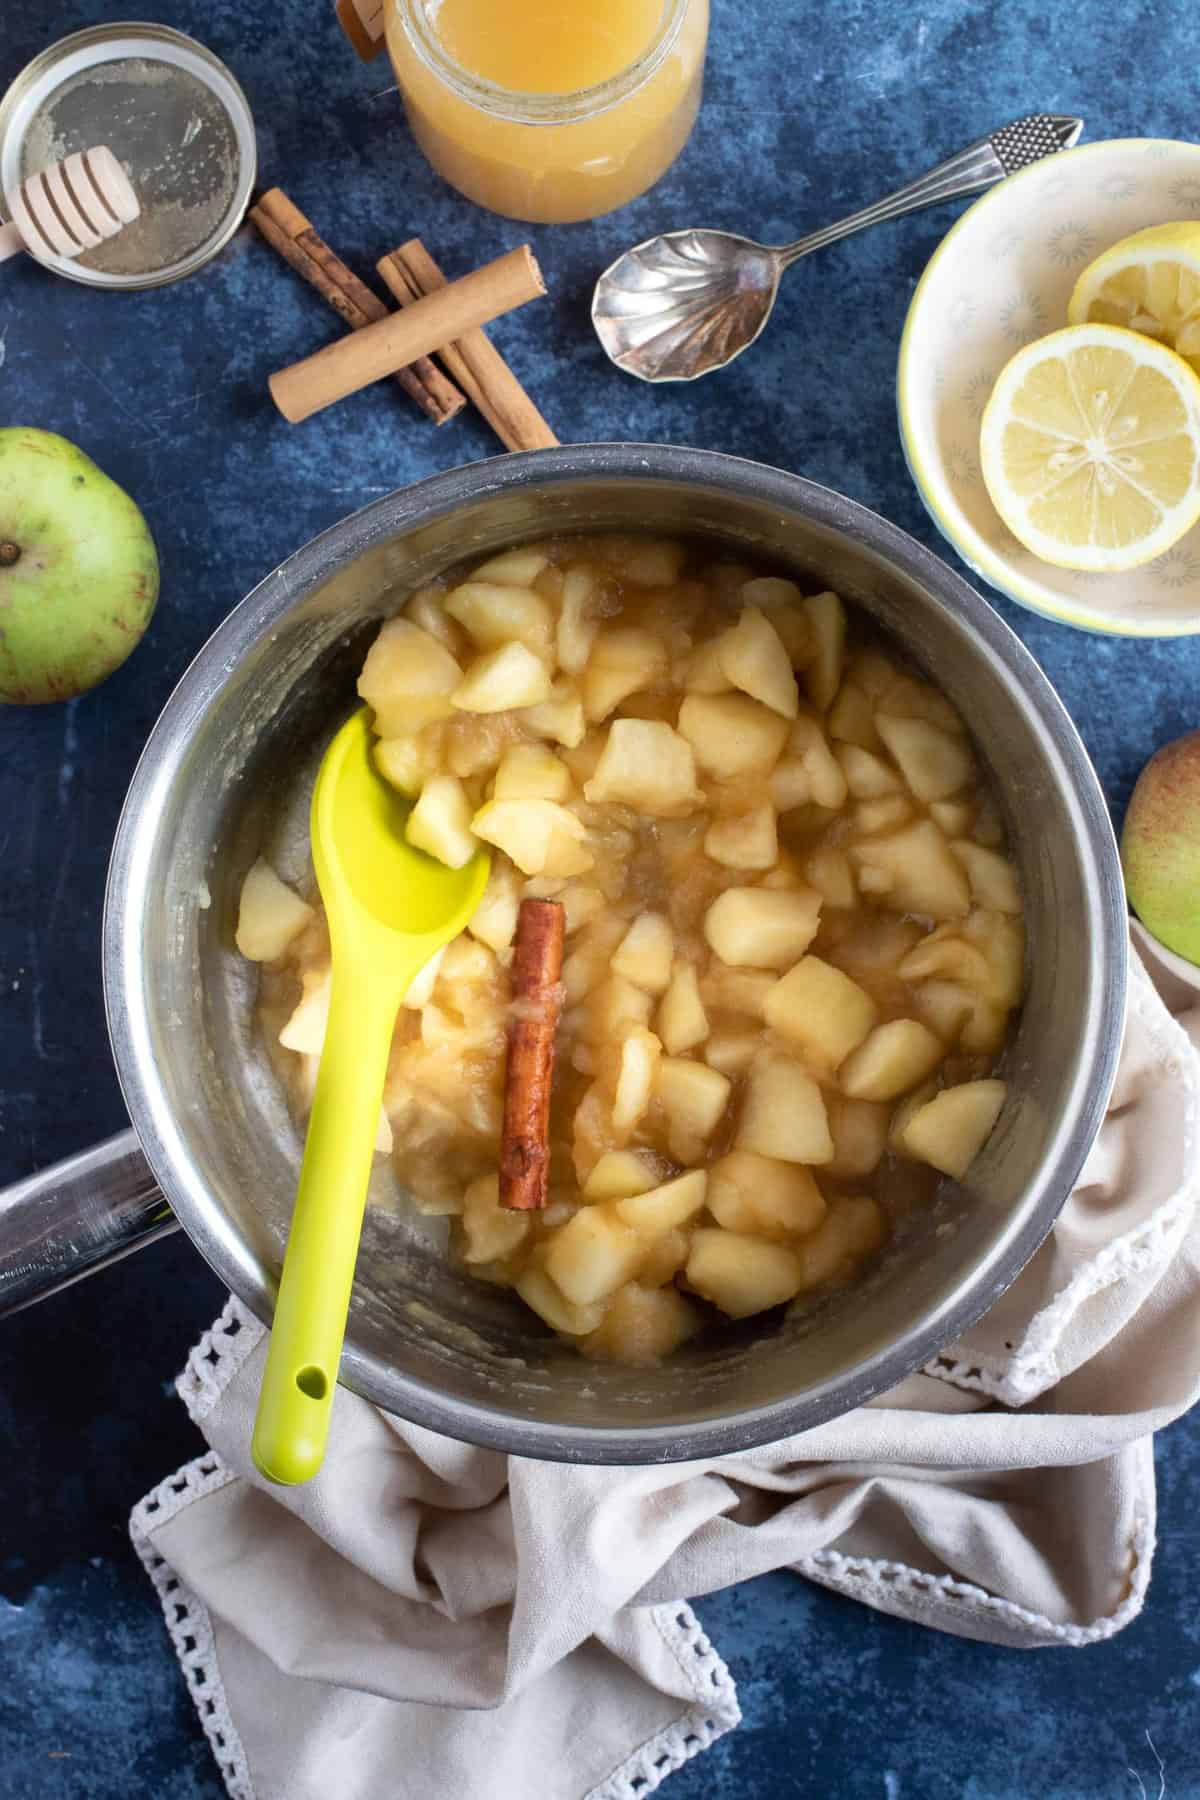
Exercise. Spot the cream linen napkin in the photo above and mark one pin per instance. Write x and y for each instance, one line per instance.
(425, 1616)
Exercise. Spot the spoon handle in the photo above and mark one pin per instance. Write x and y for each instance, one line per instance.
(981, 165)
(305, 1346)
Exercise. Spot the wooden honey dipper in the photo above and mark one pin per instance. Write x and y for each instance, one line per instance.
(70, 207)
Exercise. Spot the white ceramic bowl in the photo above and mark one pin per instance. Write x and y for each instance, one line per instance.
(1001, 277)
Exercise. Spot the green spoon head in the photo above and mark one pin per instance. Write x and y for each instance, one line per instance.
(370, 876)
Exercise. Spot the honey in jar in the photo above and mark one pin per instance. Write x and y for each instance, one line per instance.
(549, 111)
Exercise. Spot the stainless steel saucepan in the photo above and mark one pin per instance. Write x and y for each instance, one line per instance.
(223, 775)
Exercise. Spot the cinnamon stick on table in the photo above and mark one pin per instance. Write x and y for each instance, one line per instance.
(473, 360)
(389, 343)
(292, 235)
(529, 1074)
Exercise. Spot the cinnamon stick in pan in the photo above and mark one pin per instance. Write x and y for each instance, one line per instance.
(292, 235)
(473, 360)
(529, 1074)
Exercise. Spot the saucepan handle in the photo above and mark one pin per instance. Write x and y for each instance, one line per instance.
(75, 1217)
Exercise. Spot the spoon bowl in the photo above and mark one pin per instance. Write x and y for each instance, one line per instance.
(390, 908)
(686, 303)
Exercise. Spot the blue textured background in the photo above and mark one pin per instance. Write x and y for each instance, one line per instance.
(810, 110)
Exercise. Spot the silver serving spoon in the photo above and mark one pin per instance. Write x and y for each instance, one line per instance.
(688, 302)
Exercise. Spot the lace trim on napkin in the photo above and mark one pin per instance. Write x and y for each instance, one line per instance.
(1031, 1368)
(185, 1615)
(211, 1366)
(216, 1359)
(701, 1725)
(868, 1579)
(715, 1712)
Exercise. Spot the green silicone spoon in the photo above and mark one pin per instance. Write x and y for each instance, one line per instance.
(390, 907)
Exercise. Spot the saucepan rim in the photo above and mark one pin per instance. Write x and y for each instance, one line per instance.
(163, 1139)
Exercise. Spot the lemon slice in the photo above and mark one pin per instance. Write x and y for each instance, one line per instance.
(1149, 282)
(1091, 448)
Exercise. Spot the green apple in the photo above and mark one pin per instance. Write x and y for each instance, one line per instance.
(1160, 846)
(78, 569)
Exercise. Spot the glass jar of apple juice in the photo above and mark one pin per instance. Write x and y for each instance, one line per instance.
(549, 110)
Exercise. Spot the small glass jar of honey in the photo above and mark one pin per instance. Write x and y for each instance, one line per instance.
(549, 110)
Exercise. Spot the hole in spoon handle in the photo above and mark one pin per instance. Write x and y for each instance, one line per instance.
(312, 1381)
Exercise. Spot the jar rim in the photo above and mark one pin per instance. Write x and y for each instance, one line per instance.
(538, 109)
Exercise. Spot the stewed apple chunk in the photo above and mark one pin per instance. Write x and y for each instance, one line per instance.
(893, 1059)
(792, 930)
(645, 953)
(732, 735)
(647, 766)
(992, 877)
(859, 1129)
(747, 1192)
(853, 1227)
(783, 604)
(593, 1253)
(622, 662)
(702, 671)
(543, 1297)
(807, 771)
(693, 1098)
(270, 914)
(732, 1050)
(304, 1031)
(742, 1274)
(489, 1231)
(762, 928)
(615, 1008)
(783, 1114)
(503, 679)
(404, 762)
(934, 764)
(642, 1325)
(819, 1008)
(664, 1258)
(407, 679)
(637, 1065)
(745, 840)
(532, 834)
(440, 822)
(531, 772)
(851, 719)
(945, 1007)
(950, 1130)
(682, 1020)
(559, 717)
(495, 614)
(660, 1209)
(827, 624)
(868, 777)
(494, 920)
(620, 1173)
(752, 657)
(920, 874)
(517, 568)
(578, 619)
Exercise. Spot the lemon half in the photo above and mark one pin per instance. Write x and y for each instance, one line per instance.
(1149, 282)
(1091, 448)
